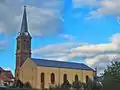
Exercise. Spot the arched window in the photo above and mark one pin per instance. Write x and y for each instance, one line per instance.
(65, 77)
(76, 77)
(52, 78)
(87, 77)
(42, 80)
(28, 45)
(17, 61)
(18, 45)
(22, 75)
(25, 45)
(42, 77)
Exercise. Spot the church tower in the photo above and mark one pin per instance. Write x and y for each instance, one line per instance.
(23, 50)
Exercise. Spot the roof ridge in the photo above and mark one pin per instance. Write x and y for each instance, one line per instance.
(7, 71)
(60, 64)
(57, 61)
(1, 68)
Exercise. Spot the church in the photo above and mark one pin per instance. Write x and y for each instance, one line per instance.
(41, 73)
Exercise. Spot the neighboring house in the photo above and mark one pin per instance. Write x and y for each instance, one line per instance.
(1, 69)
(6, 77)
(41, 73)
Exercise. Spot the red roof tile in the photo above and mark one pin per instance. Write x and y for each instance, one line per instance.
(5, 75)
(4, 78)
(8, 74)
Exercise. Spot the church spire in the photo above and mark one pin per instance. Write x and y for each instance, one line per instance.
(24, 27)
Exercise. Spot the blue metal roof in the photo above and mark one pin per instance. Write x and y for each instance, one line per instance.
(60, 64)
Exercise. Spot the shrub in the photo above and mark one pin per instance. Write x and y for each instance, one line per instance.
(18, 84)
(66, 84)
(58, 88)
(19, 89)
(77, 85)
(27, 85)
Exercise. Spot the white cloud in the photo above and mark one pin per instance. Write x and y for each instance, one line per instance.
(8, 68)
(39, 18)
(3, 45)
(67, 37)
(40, 22)
(115, 38)
(92, 54)
(82, 3)
(100, 7)
(7, 16)
(60, 49)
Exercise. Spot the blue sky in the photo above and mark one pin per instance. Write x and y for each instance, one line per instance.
(85, 31)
